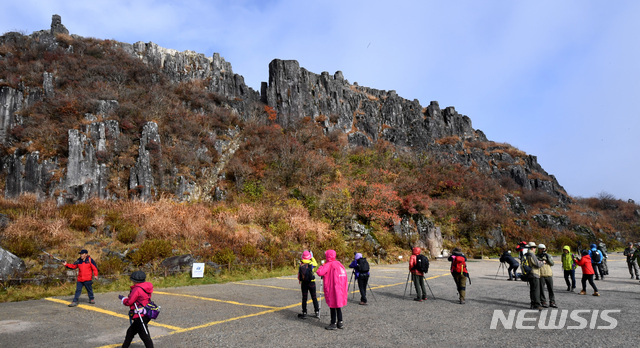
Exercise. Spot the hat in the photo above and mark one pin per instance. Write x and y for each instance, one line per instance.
(83, 251)
(358, 256)
(542, 246)
(584, 253)
(592, 246)
(138, 276)
(567, 248)
(532, 245)
(306, 255)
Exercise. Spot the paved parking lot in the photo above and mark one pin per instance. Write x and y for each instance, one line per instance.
(264, 313)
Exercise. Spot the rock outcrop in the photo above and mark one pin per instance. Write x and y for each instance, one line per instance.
(365, 115)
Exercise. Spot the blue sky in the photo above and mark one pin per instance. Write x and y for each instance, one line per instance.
(557, 79)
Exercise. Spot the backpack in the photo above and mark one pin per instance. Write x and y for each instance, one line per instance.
(527, 271)
(422, 264)
(151, 310)
(459, 265)
(596, 256)
(362, 265)
(305, 272)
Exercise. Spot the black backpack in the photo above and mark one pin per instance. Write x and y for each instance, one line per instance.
(305, 272)
(596, 256)
(422, 264)
(362, 265)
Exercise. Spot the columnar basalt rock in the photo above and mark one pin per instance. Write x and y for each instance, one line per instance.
(141, 179)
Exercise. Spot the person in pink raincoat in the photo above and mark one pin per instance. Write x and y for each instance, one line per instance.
(335, 287)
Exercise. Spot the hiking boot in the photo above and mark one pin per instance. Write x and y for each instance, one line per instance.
(302, 316)
(583, 292)
(637, 278)
(573, 289)
(73, 304)
(331, 326)
(340, 325)
(92, 301)
(362, 303)
(424, 299)
(510, 279)
(544, 305)
(596, 294)
(632, 277)
(568, 288)
(597, 278)
(316, 314)
(553, 305)
(417, 299)
(462, 302)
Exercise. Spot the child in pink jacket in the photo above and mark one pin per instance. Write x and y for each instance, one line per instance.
(335, 287)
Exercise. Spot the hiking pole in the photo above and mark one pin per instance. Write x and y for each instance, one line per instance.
(55, 258)
(354, 285)
(142, 321)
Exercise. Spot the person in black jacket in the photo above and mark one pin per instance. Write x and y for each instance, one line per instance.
(513, 264)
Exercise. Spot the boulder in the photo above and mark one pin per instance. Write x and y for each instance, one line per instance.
(175, 263)
(10, 264)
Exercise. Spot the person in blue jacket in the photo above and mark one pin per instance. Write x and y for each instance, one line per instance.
(361, 277)
(596, 261)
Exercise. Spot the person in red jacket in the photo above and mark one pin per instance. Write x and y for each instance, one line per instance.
(587, 273)
(417, 277)
(86, 270)
(139, 296)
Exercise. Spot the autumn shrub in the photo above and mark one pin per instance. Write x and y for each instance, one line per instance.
(125, 231)
(149, 250)
(335, 206)
(79, 216)
(111, 265)
(42, 233)
(375, 201)
(225, 256)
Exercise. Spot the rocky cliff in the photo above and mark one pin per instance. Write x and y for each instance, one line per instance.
(366, 115)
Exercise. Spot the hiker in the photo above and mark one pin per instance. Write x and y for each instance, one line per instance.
(596, 261)
(546, 277)
(636, 254)
(139, 297)
(307, 282)
(522, 249)
(360, 267)
(603, 249)
(530, 260)
(513, 264)
(587, 273)
(87, 269)
(417, 277)
(335, 286)
(459, 272)
(631, 262)
(569, 268)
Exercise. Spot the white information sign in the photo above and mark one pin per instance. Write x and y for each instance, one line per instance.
(198, 270)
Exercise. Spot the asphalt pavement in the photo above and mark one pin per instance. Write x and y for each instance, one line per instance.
(263, 313)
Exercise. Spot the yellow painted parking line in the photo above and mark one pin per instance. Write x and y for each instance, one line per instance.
(212, 299)
(267, 286)
(113, 314)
